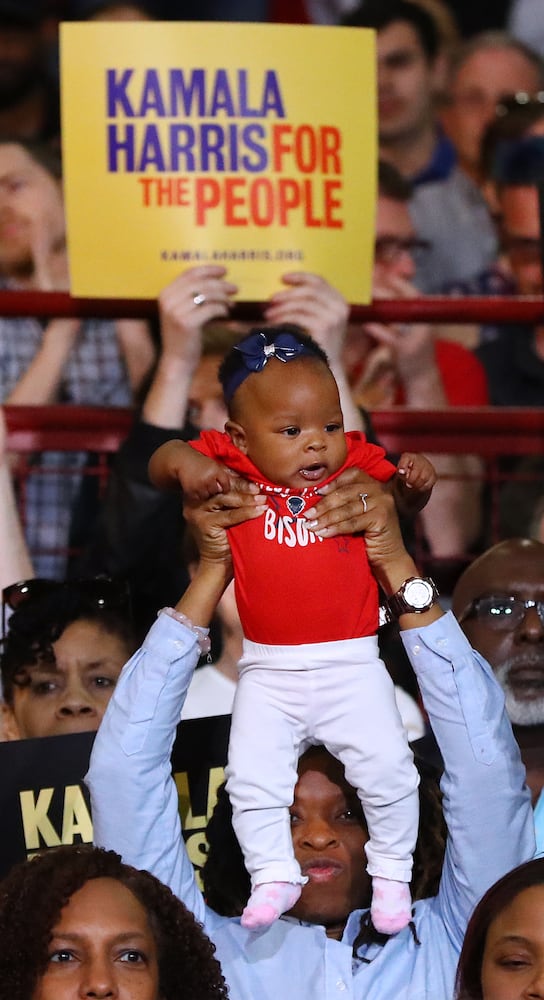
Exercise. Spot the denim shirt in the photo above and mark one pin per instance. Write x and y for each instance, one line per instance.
(487, 809)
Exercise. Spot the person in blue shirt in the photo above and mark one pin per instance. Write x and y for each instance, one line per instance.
(320, 949)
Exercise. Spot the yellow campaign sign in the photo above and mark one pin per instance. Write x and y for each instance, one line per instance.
(252, 146)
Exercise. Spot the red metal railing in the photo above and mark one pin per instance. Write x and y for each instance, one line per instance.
(486, 431)
(66, 428)
(431, 309)
(489, 433)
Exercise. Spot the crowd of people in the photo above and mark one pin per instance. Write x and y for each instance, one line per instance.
(254, 556)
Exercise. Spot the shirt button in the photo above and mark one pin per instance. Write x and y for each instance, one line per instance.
(442, 642)
(340, 985)
(416, 649)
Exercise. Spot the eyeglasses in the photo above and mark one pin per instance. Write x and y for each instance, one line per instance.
(388, 249)
(99, 592)
(521, 99)
(501, 613)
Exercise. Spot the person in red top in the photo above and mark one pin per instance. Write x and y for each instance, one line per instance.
(310, 670)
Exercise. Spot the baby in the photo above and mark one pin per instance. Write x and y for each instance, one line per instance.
(310, 670)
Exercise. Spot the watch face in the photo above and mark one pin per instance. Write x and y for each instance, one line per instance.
(418, 593)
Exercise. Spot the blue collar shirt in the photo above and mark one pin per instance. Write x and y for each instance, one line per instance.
(486, 806)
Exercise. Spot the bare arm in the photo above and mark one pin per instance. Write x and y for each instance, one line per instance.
(176, 464)
(137, 349)
(39, 384)
(389, 560)
(413, 484)
(181, 322)
(15, 563)
(209, 522)
(452, 518)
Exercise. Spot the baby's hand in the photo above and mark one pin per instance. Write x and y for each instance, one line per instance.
(415, 473)
(176, 464)
(204, 478)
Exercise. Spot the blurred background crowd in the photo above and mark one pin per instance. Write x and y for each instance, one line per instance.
(461, 158)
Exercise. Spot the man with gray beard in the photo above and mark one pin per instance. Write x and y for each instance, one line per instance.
(499, 603)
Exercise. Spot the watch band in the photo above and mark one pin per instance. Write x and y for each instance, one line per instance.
(416, 595)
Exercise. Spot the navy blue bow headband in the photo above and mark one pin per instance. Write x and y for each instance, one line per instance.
(255, 351)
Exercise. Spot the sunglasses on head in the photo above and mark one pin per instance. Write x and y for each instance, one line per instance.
(99, 592)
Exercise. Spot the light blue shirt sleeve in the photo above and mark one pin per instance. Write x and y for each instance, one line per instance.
(134, 798)
(486, 804)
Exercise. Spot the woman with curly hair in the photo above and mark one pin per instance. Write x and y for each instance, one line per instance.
(503, 952)
(76, 922)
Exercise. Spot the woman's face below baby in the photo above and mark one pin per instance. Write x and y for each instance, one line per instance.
(287, 419)
(329, 835)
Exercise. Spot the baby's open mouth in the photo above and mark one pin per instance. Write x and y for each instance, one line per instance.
(314, 472)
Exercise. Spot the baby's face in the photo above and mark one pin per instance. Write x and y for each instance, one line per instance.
(287, 419)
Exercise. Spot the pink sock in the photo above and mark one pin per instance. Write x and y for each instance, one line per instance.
(267, 902)
(391, 907)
